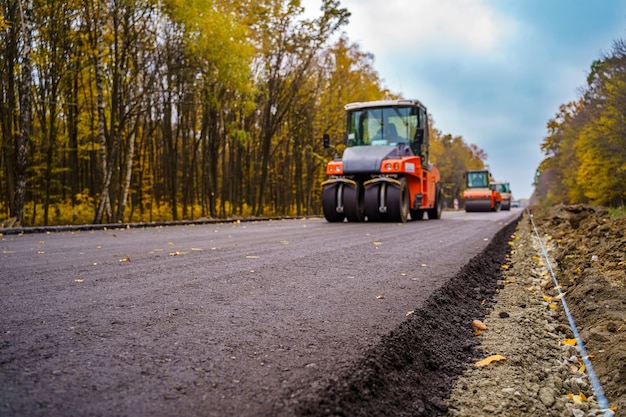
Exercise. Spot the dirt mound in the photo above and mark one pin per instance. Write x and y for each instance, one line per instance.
(589, 249)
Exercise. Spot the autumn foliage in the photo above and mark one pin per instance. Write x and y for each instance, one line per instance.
(586, 143)
(146, 110)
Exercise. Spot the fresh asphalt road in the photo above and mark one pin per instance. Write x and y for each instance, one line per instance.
(216, 319)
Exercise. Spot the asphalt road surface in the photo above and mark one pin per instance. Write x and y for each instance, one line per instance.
(232, 319)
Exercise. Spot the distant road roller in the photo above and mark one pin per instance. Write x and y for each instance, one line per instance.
(384, 174)
(504, 188)
(478, 194)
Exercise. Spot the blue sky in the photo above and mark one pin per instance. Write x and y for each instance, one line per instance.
(492, 71)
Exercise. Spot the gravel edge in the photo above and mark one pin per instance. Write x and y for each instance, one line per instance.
(540, 374)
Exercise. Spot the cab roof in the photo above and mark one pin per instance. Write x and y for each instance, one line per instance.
(384, 103)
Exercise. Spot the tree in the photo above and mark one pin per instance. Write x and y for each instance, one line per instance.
(25, 109)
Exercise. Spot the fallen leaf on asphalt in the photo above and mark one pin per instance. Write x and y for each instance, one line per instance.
(424, 265)
(127, 259)
(490, 359)
(505, 266)
(79, 280)
(378, 243)
(478, 333)
(408, 313)
(570, 342)
(479, 325)
(380, 297)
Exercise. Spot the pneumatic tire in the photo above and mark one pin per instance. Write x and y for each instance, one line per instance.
(331, 196)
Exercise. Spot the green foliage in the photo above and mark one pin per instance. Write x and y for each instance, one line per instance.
(615, 212)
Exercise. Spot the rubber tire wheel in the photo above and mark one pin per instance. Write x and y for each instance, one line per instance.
(353, 203)
(372, 203)
(417, 214)
(330, 203)
(398, 202)
(435, 212)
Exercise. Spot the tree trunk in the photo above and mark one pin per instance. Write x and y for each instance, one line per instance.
(104, 203)
(25, 90)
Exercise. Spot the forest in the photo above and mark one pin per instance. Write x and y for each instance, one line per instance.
(585, 147)
(155, 110)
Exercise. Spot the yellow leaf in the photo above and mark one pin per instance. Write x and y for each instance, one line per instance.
(479, 325)
(378, 243)
(490, 359)
(509, 281)
(547, 298)
(170, 243)
(570, 342)
(127, 259)
(505, 266)
(552, 306)
(79, 280)
(575, 398)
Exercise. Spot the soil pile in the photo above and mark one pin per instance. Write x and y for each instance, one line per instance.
(543, 373)
(589, 249)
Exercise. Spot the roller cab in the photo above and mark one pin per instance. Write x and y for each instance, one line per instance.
(478, 194)
(383, 173)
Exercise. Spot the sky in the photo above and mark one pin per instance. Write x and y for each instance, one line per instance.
(491, 71)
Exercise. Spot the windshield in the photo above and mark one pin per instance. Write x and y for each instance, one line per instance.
(382, 126)
(502, 188)
(478, 179)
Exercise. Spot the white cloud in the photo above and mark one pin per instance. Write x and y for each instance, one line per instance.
(389, 27)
